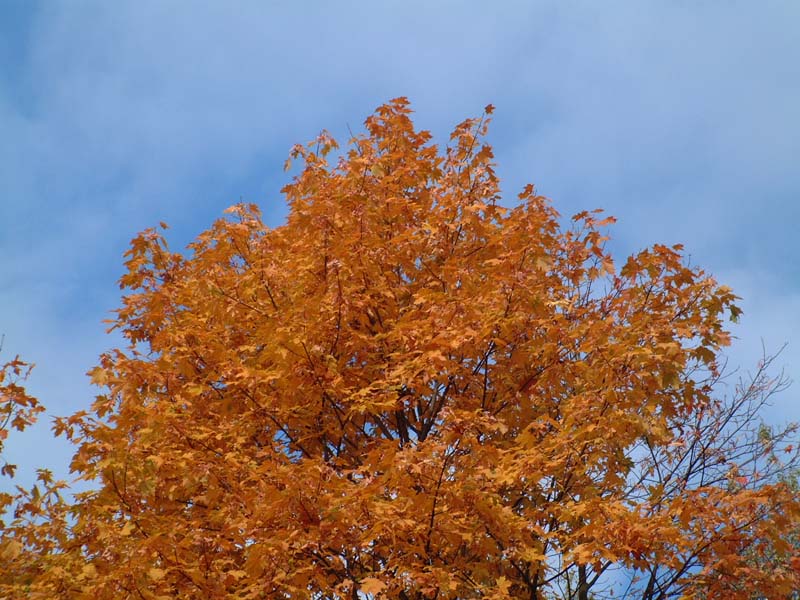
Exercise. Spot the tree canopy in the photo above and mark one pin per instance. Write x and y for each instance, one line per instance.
(410, 391)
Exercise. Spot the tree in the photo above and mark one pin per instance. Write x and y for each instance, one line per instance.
(409, 391)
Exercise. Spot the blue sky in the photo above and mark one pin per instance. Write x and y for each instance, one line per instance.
(682, 119)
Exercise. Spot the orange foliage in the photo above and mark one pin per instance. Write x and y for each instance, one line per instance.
(408, 391)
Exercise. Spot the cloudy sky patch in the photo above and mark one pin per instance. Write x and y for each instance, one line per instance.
(682, 119)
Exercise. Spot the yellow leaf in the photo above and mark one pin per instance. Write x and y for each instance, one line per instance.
(502, 585)
(371, 585)
(99, 376)
(11, 551)
(89, 571)
(127, 529)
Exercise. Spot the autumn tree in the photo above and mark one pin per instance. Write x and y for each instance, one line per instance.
(410, 391)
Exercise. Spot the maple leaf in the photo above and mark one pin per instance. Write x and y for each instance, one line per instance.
(371, 585)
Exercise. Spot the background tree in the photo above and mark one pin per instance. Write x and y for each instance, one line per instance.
(409, 391)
